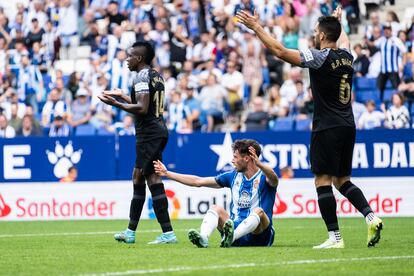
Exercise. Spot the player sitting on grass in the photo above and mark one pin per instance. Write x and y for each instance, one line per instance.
(253, 190)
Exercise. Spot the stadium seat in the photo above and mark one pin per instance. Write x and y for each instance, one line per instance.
(304, 124)
(104, 132)
(365, 95)
(66, 65)
(365, 84)
(282, 124)
(85, 130)
(388, 94)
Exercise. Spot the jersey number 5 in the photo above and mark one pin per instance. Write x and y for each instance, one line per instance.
(344, 90)
(159, 103)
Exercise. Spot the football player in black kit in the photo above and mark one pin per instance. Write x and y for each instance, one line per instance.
(146, 103)
(333, 130)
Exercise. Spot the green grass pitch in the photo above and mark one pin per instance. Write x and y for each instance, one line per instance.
(88, 248)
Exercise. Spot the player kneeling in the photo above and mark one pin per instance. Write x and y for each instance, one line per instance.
(253, 190)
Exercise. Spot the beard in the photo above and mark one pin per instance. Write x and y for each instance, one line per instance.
(317, 43)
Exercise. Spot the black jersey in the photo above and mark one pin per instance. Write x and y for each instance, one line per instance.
(331, 75)
(152, 124)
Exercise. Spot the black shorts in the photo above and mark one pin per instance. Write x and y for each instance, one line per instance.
(331, 151)
(147, 152)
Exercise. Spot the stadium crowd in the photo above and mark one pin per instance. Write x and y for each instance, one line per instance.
(56, 56)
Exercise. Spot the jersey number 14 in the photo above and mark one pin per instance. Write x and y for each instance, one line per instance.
(159, 103)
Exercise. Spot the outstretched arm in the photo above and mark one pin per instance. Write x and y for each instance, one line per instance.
(343, 41)
(271, 176)
(274, 46)
(186, 179)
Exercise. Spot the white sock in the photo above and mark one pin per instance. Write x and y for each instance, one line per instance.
(334, 235)
(210, 222)
(247, 226)
(369, 218)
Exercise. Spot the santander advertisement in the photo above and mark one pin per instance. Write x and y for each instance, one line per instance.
(110, 200)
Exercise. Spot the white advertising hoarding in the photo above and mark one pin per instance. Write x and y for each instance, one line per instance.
(110, 200)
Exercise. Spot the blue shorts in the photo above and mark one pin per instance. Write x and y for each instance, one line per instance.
(265, 238)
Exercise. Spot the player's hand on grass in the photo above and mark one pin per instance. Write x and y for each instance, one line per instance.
(250, 21)
(160, 168)
(253, 155)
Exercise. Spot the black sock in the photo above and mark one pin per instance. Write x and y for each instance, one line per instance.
(160, 205)
(327, 207)
(137, 203)
(356, 197)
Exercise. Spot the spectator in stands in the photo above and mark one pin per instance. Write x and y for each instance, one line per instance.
(374, 23)
(6, 131)
(49, 41)
(287, 173)
(361, 62)
(193, 106)
(357, 108)
(27, 128)
(203, 51)
(301, 97)
(36, 11)
(15, 121)
(80, 109)
(10, 98)
(113, 15)
(52, 108)
(35, 34)
(126, 127)
(29, 112)
(258, 118)
(288, 89)
(68, 30)
(177, 114)
(393, 20)
(371, 118)
(252, 58)
(233, 81)
(277, 106)
(391, 49)
(406, 86)
(212, 98)
(397, 115)
(29, 83)
(59, 127)
(71, 177)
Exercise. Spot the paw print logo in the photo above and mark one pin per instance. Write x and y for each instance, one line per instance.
(63, 158)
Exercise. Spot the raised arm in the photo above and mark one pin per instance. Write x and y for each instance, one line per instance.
(186, 179)
(270, 174)
(343, 41)
(274, 46)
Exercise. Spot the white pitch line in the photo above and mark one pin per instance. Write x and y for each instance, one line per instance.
(78, 233)
(216, 267)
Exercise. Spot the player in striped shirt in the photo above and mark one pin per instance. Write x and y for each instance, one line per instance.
(253, 190)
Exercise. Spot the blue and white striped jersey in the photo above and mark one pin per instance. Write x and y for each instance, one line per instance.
(391, 50)
(247, 194)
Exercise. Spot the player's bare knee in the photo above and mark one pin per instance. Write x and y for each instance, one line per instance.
(259, 211)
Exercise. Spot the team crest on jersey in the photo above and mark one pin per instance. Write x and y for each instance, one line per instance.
(244, 200)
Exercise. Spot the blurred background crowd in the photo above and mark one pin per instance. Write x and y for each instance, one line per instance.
(56, 56)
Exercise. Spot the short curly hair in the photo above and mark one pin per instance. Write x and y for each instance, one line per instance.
(242, 146)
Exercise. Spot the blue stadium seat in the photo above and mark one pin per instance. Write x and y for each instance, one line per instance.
(363, 96)
(104, 132)
(388, 94)
(282, 124)
(365, 84)
(304, 124)
(85, 130)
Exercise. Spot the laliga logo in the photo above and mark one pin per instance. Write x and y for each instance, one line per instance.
(4, 208)
(280, 206)
(63, 158)
(175, 203)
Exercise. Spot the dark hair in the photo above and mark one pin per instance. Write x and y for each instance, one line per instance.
(331, 26)
(72, 168)
(149, 51)
(242, 146)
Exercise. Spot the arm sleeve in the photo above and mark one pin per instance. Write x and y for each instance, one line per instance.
(225, 179)
(312, 58)
(141, 83)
